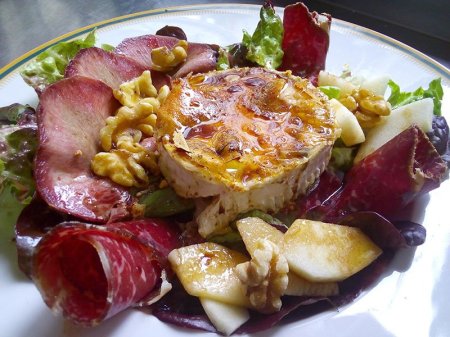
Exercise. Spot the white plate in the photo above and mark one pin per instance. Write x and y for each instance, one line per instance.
(413, 300)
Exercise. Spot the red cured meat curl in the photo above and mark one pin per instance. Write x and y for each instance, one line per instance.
(110, 68)
(305, 41)
(201, 57)
(389, 178)
(89, 273)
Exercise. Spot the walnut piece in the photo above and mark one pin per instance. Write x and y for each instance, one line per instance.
(368, 108)
(265, 277)
(125, 160)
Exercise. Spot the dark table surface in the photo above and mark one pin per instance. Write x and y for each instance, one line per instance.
(25, 24)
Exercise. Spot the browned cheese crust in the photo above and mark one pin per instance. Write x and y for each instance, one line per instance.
(244, 127)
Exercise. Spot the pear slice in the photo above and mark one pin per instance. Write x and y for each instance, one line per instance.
(298, 286)
(323, 252)
(419, 113)
(207, 270)
(253, 229)
(351, 133)
(325, 78)
(377, 84)
(225, 317)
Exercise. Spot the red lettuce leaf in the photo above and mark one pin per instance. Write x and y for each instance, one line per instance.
(30, 229)
(327, 184)
(352, 287)
(181, 309)
(185, 311)
(413, 233)
(379, 229)
(299, 307)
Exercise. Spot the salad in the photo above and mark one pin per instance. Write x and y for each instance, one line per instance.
(134, 210)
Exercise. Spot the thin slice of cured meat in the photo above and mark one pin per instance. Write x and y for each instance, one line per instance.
(305, 41)
(389, 178)
(70, 115)
(139, 48)
(200, 57)
(110, 68)
(89, 273)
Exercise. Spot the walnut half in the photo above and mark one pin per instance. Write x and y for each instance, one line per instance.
(265, 277)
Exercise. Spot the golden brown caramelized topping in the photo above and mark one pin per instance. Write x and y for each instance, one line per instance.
(245, 126)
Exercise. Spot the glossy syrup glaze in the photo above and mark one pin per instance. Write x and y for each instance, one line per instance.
(245, 124)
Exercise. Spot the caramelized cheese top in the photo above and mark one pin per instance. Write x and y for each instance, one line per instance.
(245, 126)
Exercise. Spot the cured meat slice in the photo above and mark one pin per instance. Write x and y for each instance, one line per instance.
(389, 178)
(139, 48)
(70, 115)
(110, 68)
(200, 57)
(89, 273)
(305, 41)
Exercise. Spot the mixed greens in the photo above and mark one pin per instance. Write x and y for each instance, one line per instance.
(49, 66)
(399, 98)
(264, 46)
(18, 144)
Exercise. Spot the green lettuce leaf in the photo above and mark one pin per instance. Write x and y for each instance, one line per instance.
(264, 46)
(342, 157)
(107, 47)
(10, 210)
(164, 202)
(330, 91)
(222, 60)
(18, 143)
(49, 66)
(256, 213)
(11, 114)
(399, 98)
(233, 239)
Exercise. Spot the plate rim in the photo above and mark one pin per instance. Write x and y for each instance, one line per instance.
(10, 67)
(15, 65)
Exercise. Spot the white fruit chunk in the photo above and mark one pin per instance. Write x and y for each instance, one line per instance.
(419, 113)
(298, 286)
(323, 252)
(254, 229)
(207, 270)
(265, 276)
(225, 317)
(351, 133)
(328, 79)
(377, 85)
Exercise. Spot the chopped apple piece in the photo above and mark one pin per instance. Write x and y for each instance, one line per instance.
(323, 252)
(225, 317)
(351, 133)
(207, 270)
(298, 286)
(419, 113)
(253, 229)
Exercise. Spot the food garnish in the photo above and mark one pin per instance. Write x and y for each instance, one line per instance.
(222, 187)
